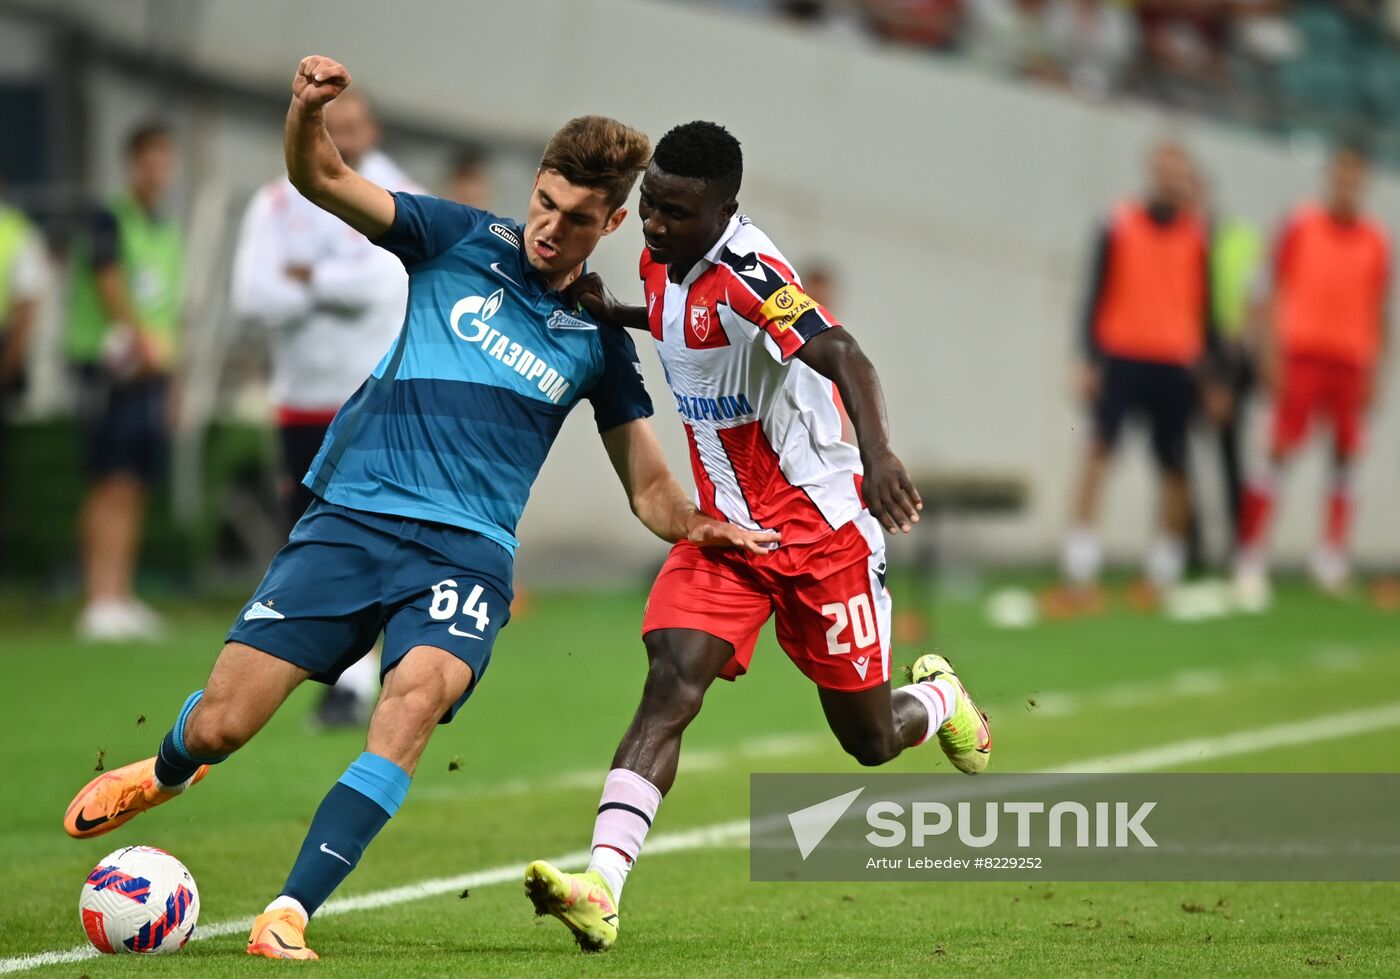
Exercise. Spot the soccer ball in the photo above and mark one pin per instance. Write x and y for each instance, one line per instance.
(139, 899)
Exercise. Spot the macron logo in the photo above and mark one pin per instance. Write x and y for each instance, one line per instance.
(810, 825)
(261, 611)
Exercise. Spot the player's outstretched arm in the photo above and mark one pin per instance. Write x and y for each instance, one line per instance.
(888, 490)
(660, 503)
(314, 164)
(590, 293)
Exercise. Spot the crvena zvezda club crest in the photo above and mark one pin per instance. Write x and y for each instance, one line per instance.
(700, 322)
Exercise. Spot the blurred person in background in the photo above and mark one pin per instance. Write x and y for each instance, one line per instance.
(22, 279)
(922, 23)
(1083, 44)
(1236, 250)
(801, 13)
(1326, 332)
(469, 179)
(1147, 326)
(333, 304)
(1093, 44)
(1009, 36)
(835, 19)
(123, 329)
(1263, 32)
(1185, 43)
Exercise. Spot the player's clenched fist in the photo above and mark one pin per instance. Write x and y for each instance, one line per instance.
(319, 80)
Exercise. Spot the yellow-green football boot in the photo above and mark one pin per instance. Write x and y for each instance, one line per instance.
(965, 736)
(584, 902)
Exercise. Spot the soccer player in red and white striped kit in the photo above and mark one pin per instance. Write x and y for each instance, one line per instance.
(758, 369)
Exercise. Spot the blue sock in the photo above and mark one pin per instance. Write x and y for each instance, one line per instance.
(353, 812)
(174, 765)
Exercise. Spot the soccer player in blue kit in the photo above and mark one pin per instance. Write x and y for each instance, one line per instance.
(419, 485)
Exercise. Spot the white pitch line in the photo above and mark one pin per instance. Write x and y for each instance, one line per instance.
(1173, 755)
(716, 834)
(1054, 703)
(1240, 743)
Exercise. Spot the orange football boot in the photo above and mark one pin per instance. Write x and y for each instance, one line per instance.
(114, 797)
(280, 934)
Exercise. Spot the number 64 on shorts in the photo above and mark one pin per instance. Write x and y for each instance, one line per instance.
(445, 606)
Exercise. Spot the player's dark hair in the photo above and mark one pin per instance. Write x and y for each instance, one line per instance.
(146, 135)
(595, 151)
(704, 151)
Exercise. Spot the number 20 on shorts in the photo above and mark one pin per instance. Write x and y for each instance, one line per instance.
(859, 615)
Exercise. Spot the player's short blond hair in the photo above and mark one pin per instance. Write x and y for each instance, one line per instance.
(595, 151)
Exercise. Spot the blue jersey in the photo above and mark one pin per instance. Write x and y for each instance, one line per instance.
(453, 425)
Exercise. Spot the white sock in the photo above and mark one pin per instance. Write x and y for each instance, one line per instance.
(288, 902)
(1166, 561)
(1082, 556)
(1251, 560)
(940, 699)
(174, 789)
(625, 813)
(613, 867)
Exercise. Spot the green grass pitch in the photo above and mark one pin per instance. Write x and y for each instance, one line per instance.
(517, 777)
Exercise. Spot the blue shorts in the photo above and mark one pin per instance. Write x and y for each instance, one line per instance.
(345, 576)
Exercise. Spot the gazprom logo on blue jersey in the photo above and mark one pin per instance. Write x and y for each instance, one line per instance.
(498, 346)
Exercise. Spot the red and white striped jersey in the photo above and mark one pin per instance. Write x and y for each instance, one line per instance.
(764, 428)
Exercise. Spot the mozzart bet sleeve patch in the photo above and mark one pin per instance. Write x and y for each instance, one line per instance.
(786, 306)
